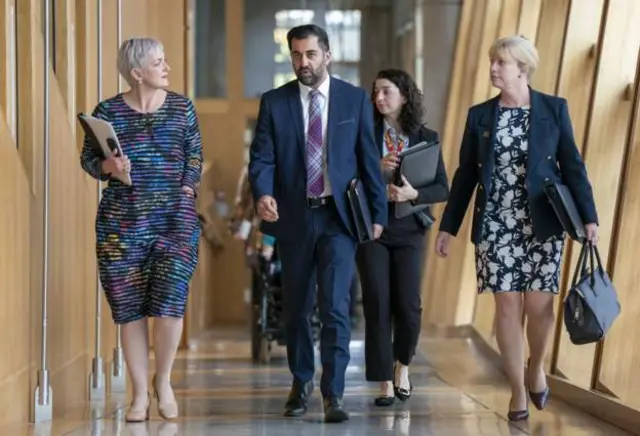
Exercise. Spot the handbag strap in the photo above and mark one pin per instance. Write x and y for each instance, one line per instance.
(581, 266)
(592, 272)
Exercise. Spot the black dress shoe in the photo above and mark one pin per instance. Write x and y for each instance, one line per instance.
(298, 398)
(334, 411)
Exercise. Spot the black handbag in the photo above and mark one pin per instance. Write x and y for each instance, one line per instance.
(565, 208)
(591, 306)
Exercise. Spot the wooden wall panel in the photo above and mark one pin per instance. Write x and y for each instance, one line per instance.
(621, 355)
(604, 148)
(576, 83)
(551, 29)
(15, 272)
(444, 299)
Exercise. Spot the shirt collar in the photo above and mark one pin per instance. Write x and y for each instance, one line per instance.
(323, 88)
(397, 136)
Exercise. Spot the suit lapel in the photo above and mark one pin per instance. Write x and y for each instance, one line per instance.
(538, 119)
(487, 130)
(379, 132)
(335, 114)
(295, 107)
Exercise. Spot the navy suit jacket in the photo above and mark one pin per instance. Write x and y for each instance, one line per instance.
(553, 157)
(277, 156)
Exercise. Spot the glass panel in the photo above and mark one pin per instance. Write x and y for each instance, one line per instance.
(12, 70)
(347, 72)
(343, 28)
(210, 47)
(267, 63)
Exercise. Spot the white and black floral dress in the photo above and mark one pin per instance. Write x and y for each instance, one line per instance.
(508, 258)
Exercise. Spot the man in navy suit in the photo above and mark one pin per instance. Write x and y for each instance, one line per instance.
(313, 136)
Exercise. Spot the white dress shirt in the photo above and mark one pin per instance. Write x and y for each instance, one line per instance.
(305, 97)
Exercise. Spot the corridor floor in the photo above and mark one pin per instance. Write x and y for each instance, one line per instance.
(222, 393)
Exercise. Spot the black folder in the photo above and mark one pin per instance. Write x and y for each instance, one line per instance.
(359, 205)
(419, 165)
(566, 210)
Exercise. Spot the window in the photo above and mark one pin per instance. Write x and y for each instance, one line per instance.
(285, 20)
(210, 48)
(10, 73)
(343, 28)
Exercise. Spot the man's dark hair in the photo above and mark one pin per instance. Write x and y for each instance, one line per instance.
(307, 30)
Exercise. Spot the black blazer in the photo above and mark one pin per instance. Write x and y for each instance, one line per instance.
(436, 192)
(553, 157)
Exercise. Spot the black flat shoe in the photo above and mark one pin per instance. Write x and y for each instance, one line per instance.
(540, 399)
(384, 401)
(298, 398)
(403, 394)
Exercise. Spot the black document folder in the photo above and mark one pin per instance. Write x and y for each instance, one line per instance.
(418, 164)
(566, 210)
(360, 212)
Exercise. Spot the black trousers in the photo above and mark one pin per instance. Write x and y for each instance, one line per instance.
(390, 275)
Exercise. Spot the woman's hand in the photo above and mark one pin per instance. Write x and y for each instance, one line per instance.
(592, 232)
(442, 244)
(116, 164)
(406, 192)
(389, 162)
(187, 190)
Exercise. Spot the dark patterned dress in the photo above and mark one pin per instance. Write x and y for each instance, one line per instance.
(508, 258)
(147, 234)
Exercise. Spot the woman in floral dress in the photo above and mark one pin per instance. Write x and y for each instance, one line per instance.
(513, 146)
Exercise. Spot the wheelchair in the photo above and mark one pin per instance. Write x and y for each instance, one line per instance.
(267, 321)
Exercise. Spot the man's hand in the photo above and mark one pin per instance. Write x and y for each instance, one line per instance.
(377, 231)
(268, 209)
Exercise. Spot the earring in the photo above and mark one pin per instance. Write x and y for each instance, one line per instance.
(139, 81)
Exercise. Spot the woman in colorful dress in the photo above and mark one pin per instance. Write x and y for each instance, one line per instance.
(147, 232)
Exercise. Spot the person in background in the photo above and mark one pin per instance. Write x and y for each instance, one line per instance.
(513, 145)
(147, 233)
(391, 268)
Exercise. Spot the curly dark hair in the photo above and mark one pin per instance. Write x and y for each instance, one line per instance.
(413, 112)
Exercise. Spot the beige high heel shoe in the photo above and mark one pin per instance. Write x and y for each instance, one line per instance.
(166, 410)
(138, 415)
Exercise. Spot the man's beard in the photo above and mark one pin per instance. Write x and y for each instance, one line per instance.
(312, 79)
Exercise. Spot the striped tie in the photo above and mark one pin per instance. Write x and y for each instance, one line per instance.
(315, 180)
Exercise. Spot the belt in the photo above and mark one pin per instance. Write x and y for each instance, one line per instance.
(314, 203)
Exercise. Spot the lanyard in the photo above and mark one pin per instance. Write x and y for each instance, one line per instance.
(390, 145)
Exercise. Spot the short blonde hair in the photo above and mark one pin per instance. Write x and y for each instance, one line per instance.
(134, 53)
(520, 49)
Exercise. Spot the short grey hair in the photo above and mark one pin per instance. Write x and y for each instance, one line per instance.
(134, 53)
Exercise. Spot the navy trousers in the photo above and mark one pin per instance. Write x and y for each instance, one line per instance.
(323, 256)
